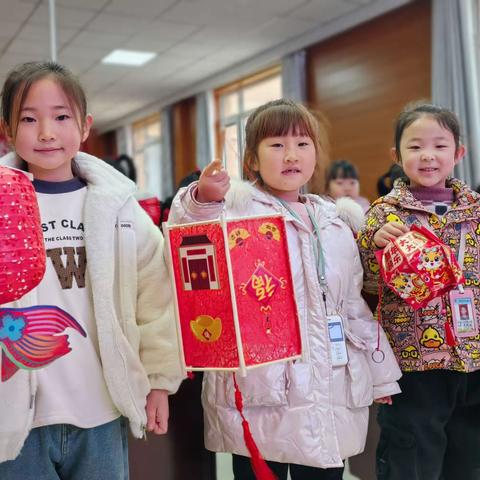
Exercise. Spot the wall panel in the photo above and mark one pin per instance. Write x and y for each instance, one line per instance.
(184, 139)
(103, 146)
(362, 78)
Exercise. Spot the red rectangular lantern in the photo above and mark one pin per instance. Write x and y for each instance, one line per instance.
(235, 302)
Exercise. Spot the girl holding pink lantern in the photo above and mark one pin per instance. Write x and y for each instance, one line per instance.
(76, 378)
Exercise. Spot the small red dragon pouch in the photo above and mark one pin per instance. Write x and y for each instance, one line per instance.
(418, 267)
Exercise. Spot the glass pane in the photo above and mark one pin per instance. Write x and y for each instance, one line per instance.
(152, 159)
(229, 103)
(153, 131)
(242, 136)
(261, 92)
(138, 159)
(138, 139)
(231, 154)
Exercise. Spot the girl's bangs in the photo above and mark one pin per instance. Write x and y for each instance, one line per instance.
(279, 121)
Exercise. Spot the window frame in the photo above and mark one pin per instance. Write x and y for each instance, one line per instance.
(144, 124)
(239, 119)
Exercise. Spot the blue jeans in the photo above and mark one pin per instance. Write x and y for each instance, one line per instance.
(70, 453)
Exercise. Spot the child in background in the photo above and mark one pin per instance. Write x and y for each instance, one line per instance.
(431, 430)
(343, 181)
(386, 181)
(66, 419)
(305, 416)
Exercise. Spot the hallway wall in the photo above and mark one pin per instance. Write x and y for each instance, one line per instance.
(361, 79)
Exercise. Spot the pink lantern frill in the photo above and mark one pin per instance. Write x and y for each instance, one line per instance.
(22, 251)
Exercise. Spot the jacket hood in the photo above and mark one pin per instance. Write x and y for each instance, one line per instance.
(241, 193)
(104, 180)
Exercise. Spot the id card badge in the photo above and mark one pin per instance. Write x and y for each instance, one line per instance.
(336, 335)
(463, 313)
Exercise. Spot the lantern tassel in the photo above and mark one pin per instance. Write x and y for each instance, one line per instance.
(450, 337)
(260, 468)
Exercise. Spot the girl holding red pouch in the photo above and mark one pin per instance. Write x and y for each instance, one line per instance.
(431, 430)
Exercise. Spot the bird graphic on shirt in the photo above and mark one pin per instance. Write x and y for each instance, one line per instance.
(33, 337)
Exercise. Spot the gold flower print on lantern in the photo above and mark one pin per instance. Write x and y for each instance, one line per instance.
(270, 231)
(237, 237)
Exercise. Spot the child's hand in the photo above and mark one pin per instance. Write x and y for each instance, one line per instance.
(213, 184)
(157, 411)
(385, 400)
(389, 232)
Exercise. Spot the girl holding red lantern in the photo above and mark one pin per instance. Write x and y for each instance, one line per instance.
(69, 391)
(305, 416)
(430, 432)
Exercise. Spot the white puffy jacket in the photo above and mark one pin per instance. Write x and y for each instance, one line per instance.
(304, 412)
(131, 301)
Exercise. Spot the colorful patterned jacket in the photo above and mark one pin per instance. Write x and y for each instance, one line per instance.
(418, 337)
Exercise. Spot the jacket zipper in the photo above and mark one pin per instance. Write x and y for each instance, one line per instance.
(139, 414)
(142, 426)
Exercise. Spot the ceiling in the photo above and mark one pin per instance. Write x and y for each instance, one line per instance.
(194, 40)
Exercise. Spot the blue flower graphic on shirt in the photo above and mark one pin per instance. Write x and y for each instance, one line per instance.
(11, 328)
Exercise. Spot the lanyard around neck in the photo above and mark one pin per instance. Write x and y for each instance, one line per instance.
(317, 246)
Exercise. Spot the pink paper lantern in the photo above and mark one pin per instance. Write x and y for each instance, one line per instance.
(22, 251)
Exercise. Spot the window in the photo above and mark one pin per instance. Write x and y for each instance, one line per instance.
(234, 104)
(476, 31)
(147, 154)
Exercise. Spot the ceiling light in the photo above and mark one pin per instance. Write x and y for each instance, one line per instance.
(128, 57)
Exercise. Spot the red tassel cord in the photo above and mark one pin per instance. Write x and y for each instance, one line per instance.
(450, 336)
(260, 468)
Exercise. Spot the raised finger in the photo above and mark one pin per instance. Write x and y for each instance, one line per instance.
(211, 168)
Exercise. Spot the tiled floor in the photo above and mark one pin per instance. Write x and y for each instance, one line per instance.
(224, 468)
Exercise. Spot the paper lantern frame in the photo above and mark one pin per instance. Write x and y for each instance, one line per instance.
(234, 281)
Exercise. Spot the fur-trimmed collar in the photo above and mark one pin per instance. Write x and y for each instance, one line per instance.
(241, 193)
(350, 212)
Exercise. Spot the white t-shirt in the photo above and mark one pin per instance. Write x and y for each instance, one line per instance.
(72, 388)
